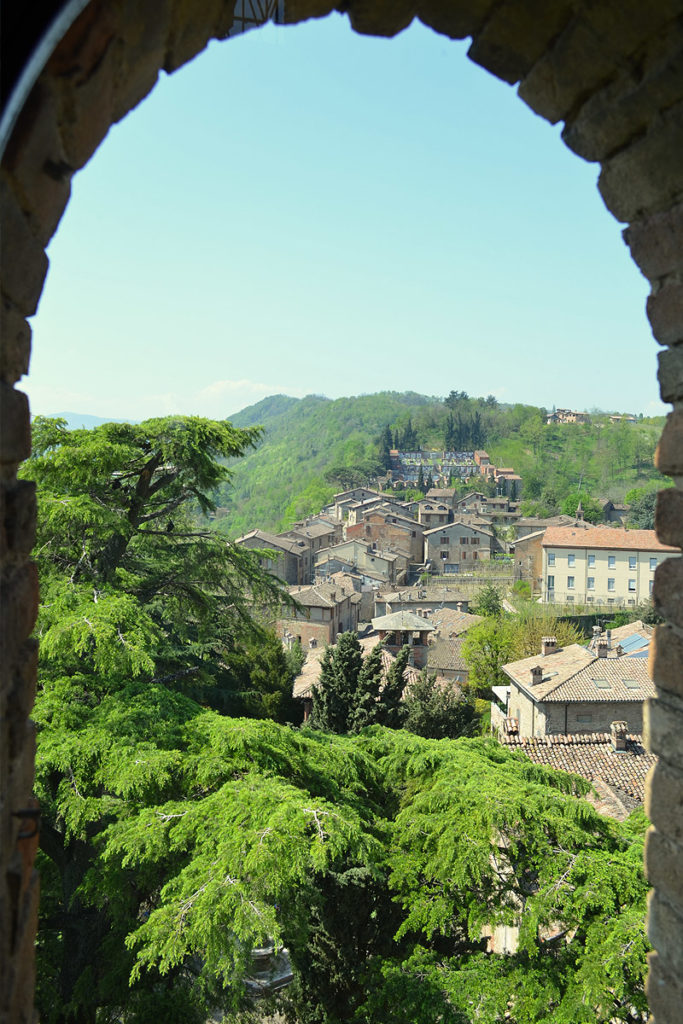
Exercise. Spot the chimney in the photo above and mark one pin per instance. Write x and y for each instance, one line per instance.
(609, 638)
(597, 632)
(618, 735)
(602, 648)
(619, 650)
(548, 645)
(536, 675)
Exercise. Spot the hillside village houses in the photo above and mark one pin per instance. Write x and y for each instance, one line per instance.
(603, 565)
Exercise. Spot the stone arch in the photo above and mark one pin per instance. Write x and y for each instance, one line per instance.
(611, 71)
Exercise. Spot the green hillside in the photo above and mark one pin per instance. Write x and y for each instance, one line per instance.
(314, 446)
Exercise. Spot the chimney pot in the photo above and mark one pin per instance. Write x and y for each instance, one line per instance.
(618, 735)
(548, 645)
(536, 675)
(602, 648)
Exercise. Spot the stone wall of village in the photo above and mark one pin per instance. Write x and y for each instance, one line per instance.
(609, 71)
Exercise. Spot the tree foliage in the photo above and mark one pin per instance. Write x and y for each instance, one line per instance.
(176, 839)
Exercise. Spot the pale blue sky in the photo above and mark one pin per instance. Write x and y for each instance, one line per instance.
(308, 210)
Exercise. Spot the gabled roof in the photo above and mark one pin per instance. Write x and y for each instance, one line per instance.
(576, 674)
(451, 622)
(316, 529)
(288, 544)
(321, 595)
(604, 537)
(458, 522)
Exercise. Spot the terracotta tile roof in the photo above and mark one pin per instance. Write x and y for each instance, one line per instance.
(605, 537)
(321, 595)
(445, 654)
(570, 674)
(451, 622)
(403, 620)
(591, 756)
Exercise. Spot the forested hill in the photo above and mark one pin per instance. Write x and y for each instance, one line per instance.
(314, 446)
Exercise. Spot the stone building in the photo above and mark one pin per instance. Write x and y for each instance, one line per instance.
(456, 547)
(608, 72)
(327, 609)
(577, 689)
(289, 558)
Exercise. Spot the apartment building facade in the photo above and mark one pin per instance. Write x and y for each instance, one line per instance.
(605, 566)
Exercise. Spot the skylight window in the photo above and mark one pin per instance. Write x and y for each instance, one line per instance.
(602, 684)
(631, 684)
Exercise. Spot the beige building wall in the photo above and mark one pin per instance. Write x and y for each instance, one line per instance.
(560, 718)
(600, 576)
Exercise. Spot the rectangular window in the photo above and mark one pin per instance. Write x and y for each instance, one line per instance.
(591, 561)
(653, 564)
(463, 540)
(475, 540)
(463, 554)
(631, 561)
(611, 561)
(570, 582)
(444, 555)
(632, 586)
(570, 599)
(444, 540)
(589, 600)
(551, 558)
(590, 583)
(571, 559)
(551, 582)
(475, 554)
(610, 583)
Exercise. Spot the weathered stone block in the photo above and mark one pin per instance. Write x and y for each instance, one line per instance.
(18, 607)
(664, 800)
(656, 242)
(192, 24)
(664, 992)
(23, 691)
(23, 263)
(665, 312)
(15, 343)
(15, 425)
(666, 660)
(37, 164)
(17, 519)
(301, 10)
(664, 867)
(381, 17)
(516, 36)
(623, 108)
(669, 516)
(663, 727)
(577, 62)
(629, 23)
(669, 454)
(22, 973)
(670, 371)
(144, 37)
(22, 764)
(455, 19)
(83, 45)
(665, 930)
(646, 177)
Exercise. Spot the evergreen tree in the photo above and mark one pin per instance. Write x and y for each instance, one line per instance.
(438, 711)
(421, 480)
(429, 482)
(391, 710)
(336, 696)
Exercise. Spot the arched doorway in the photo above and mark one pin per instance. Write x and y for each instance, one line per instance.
(609, 72)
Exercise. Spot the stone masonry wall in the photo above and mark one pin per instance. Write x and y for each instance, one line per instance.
(610, 70)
